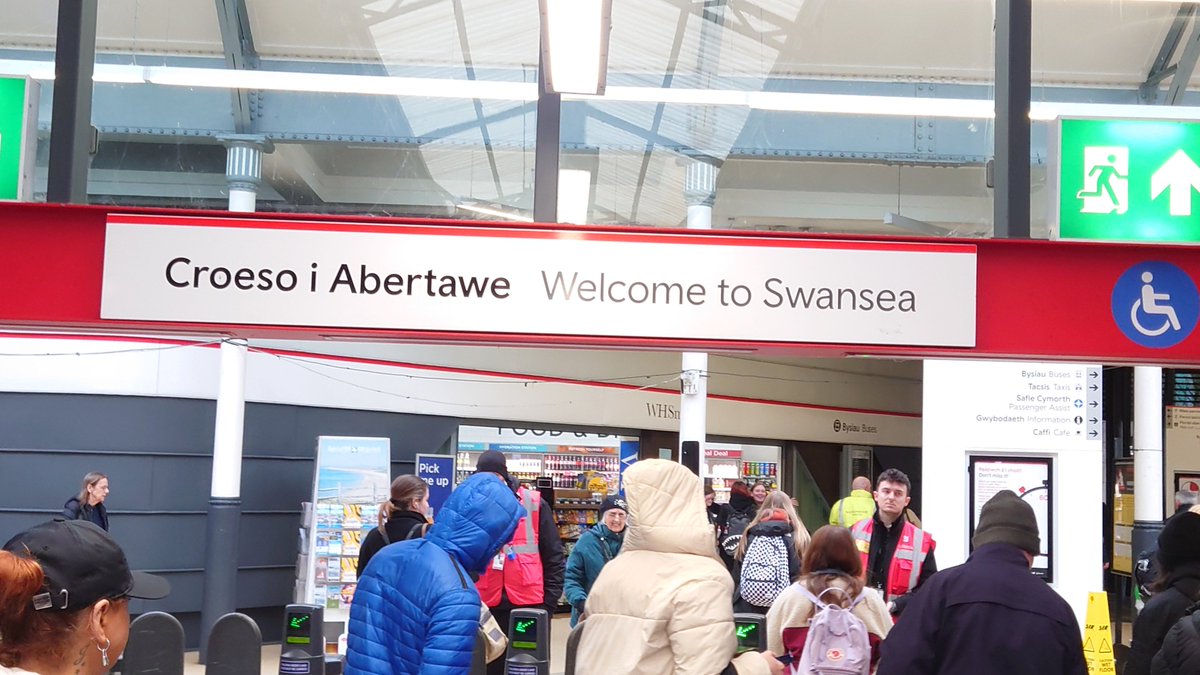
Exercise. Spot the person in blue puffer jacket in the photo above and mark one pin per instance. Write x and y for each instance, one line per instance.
(416, 610)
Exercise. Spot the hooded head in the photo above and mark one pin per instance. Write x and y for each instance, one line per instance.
(666, 510)
(1179, 541)
(479, 517)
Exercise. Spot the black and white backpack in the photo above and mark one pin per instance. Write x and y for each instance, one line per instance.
(764, 570)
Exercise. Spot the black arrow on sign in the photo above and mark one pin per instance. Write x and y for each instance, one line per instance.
(1093, 374)
(1093, 387)
(1093, 420)
(1093, 404)
(1092, 433)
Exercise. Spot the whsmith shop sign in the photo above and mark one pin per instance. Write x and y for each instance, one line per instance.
(1128, 180)
(542, 282)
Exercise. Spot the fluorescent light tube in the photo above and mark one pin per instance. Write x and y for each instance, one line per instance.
(574, 195)
(575, 44)
(497, 213)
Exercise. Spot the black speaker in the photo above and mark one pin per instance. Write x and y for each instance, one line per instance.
(689, 455)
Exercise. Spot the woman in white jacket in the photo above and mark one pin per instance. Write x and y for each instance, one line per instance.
(662, 605)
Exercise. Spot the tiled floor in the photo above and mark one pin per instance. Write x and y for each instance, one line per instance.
(270, 653)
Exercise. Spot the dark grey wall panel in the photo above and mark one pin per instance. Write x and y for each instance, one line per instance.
(158, 455)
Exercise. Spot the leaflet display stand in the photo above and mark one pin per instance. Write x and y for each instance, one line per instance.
(351, 480)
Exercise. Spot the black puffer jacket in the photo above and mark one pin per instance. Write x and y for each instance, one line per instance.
(1159, 615)
(402, 525)
(1180, 653)
(740, 510)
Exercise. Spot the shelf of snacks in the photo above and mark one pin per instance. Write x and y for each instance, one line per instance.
(525, 466)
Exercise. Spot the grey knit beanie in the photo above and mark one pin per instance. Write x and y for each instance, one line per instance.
(1008, 519)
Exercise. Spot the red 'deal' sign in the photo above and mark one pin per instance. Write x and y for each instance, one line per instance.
(713, 453)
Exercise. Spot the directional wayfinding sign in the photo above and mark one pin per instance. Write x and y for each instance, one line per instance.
(1128, 180)
(18, 122)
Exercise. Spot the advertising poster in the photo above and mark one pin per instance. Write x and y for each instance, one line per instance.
(1187, 480)
(351, 480)
(438, 472)
(1030, 479)
(1122, 519)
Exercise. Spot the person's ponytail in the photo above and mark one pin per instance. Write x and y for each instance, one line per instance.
(24, 630)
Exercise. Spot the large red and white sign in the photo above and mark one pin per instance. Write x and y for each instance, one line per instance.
(1037, 300)
(490, 280)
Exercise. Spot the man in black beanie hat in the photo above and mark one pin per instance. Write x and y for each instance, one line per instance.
(990, 615)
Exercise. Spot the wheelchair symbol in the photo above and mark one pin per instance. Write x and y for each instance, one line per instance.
(1149, 305)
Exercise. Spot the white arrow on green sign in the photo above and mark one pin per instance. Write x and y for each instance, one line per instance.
(1128, 180)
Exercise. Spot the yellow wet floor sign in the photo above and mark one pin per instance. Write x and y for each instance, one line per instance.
(1097, 637)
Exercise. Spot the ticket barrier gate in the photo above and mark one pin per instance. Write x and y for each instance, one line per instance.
(303, 648)
(751, 631)
(528, 643)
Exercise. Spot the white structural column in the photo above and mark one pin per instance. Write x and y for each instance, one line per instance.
(243, 169)
(225, 498)
(1147, 444)
(699, 189)
(231, 411)
(1147, 457)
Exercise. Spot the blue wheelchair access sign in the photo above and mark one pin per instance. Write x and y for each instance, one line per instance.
(1156, 304)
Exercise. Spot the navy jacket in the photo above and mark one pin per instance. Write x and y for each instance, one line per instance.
(98, 514)
(415, 609)
(988, 616)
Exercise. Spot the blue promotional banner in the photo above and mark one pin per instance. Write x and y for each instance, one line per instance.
(629, 455)
(438, 472)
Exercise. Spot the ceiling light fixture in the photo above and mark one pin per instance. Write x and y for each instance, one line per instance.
(575, 45)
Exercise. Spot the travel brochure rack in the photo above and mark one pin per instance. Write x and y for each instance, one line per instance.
(350, 481)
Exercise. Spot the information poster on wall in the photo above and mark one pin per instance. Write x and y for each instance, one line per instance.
(1031, 479)
(351, 481)
(1122, 519)
(438, 472)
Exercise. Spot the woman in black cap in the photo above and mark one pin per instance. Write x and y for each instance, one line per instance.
(1177, 588)
(64, 599)
(595, 548)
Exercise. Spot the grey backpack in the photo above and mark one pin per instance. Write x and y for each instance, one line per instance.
(837, 642)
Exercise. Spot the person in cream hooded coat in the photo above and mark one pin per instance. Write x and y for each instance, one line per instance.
(663, 606)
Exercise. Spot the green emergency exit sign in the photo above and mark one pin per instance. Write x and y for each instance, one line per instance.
(1129, 180)
(18, 115)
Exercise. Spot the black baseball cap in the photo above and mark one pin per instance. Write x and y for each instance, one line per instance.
(82, 565)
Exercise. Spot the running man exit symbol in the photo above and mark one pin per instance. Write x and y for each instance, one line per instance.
(1105, 180)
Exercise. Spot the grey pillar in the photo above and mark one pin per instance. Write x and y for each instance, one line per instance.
(225, 501)
(700, 191)
(546, 152)
(1013, 62)
(243, 169)
(71, 115)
